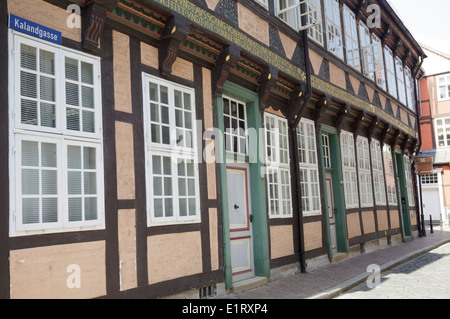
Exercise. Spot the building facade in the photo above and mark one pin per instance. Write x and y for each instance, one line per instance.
(434, 120)
(158, 148)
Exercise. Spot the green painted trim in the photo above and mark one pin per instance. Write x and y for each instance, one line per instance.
(257, 185)
(338, 189)
(403, 194)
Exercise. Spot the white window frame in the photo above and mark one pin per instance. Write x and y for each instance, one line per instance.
(326, 150)
(390, 175)
(378, 173)
(310, 14)
(310, 167)
(173, 151)
(380, 74)
(400, 80)
(349, 169)
(60, 93)
(442, 130)
(278, 176)
(334, 28)
(390, 71)
(264, 3)
(443, 87)
(367, 51)
(410, 93)
(231, 134)
(57, 135)
(409, 180)
(364, 171)
(351, 39)
(429, 179)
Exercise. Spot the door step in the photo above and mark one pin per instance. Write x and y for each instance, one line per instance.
(250, 283)
(408, 239)
(338, 257)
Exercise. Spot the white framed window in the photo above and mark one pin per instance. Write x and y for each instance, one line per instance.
(56, 166)
(442, 132)
(364, 172)
(410, 94)
(309, 168)
(443, 85)
(351, 39)
(334, 29)
(349, 169)
(429, 179)
(408, 179)
(265, 3)
(235, 125)
(277, 166)
(300, 15)
(326, 150)
(400, 80)
(380, 75)
(390, 175)
(171, 168)
(367, 51)
(390, 72)
(378, 174)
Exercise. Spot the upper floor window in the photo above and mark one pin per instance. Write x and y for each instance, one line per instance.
(400, 80)
(390, 72)
(380, 75)
(410, 94)
(367, 51)
(333, 27)
(351, 39)
(278, 169)
(443, 132)
(235, 124)
(300, 15)
(56, 145)
(265, 3)
(172, 176)
(443, 85)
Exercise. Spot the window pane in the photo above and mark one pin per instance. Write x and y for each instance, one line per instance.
(28, 57)
(75, 209)
(30, 210)
(49, 210)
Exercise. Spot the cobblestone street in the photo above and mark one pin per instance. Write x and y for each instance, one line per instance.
(425, 277)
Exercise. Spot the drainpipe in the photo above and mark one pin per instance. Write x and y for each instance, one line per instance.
(417, 88)
(293, 123)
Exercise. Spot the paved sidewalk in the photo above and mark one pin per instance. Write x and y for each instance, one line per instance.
(333, 279)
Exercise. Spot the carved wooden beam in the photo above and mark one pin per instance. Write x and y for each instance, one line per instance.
(359, 119)
(386, 130)
(360, 8)
(398, 46)
(386, 35)
(320, 110)
(341, 117)
(267, 79)
(175, 32)
(292, 109)
(372, 126)
(395, 139)
(93, 20)
(405, 142)
(227, 59)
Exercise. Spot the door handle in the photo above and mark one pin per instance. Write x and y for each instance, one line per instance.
(251, 218)
(236, 206)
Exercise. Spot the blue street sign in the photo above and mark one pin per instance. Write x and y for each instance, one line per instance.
(34, 29)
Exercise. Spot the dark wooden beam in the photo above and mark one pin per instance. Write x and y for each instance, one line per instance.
(228, 58)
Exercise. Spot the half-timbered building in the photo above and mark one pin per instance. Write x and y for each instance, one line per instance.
(156, 148)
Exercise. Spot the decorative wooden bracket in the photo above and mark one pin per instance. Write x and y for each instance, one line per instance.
(406, 57)
(267, 79)
(386, 130)
(292, 109)
(93, 21)
(175, 32)
(398, 46)
(320, 111)
(405, 142)
(341, 117)
(372, 126)
(227, 59)
(362, 5)
(357, 126)
(395, 139)
(386, 35)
